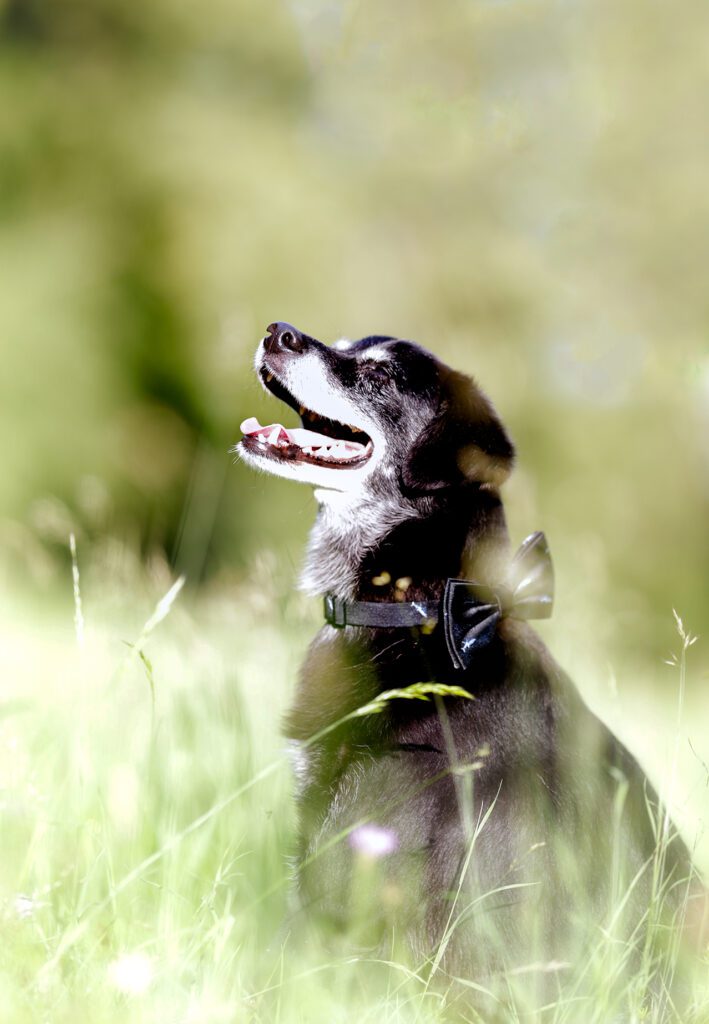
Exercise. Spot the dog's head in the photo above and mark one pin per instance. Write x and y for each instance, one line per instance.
(378, 416)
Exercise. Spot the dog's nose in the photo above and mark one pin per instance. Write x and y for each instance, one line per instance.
(284, 336)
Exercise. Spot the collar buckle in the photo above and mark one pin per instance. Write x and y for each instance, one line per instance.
(335, 611)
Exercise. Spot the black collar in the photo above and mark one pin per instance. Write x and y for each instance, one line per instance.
(469, 611)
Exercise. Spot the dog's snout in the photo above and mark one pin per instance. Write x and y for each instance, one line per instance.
(284, 336)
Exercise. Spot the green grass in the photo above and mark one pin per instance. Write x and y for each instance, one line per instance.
(148, 823)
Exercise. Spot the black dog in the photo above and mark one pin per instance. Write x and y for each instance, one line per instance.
(506, 815)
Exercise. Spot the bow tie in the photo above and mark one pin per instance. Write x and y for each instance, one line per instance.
(468, 611)
(471, 611)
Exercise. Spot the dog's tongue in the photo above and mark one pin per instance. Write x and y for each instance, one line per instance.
(274, 434)
(281, 437)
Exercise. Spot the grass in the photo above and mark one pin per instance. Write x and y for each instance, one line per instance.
(148, 824)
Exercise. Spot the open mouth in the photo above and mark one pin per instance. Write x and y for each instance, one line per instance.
(319, 442)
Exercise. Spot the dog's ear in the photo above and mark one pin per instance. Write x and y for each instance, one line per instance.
(465, 441)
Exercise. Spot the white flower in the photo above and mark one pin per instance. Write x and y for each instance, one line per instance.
(24, 905)
(131, 973)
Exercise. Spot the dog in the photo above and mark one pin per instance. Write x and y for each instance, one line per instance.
(438, 740)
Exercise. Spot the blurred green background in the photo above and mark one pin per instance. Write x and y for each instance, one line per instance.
(519, 186)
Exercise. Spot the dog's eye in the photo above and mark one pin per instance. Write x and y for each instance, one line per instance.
(374, 371)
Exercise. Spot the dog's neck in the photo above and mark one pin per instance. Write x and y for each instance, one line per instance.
(404, 550)
(344, 531)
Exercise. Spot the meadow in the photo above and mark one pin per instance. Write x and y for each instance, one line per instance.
(148, 824)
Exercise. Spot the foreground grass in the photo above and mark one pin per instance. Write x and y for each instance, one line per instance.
(147, 825)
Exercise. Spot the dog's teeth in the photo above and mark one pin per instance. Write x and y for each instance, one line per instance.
(332, 451)
(274, 435)
(262, 438)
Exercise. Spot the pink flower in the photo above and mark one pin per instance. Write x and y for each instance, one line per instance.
(373, 840)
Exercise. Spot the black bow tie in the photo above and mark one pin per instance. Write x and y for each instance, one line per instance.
(469, 611)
